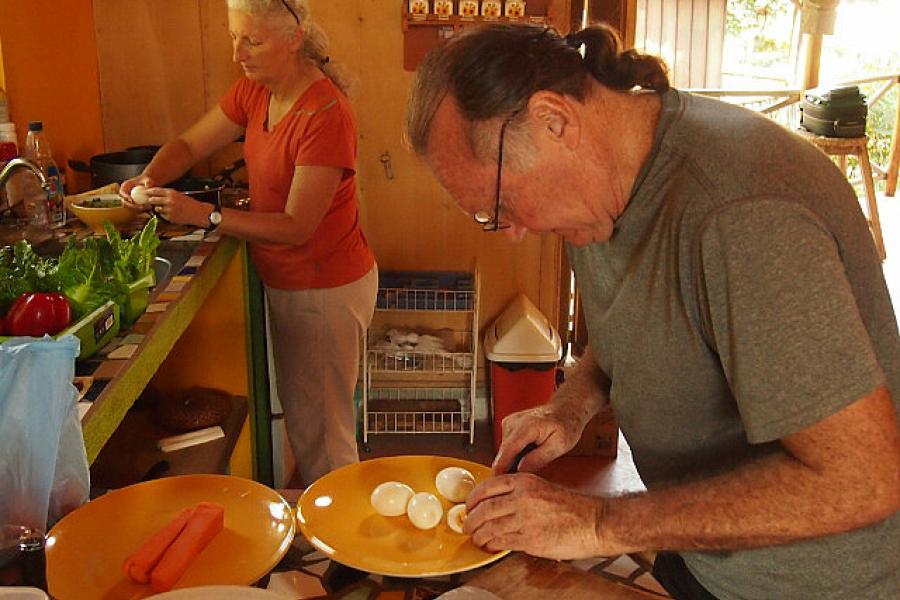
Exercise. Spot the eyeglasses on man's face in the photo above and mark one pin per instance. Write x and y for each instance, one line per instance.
(488, 221)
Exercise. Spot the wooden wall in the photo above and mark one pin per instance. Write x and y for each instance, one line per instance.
(162, 71)
(688, 34)
(50, 60)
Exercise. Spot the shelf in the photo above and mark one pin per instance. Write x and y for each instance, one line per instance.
(458, 22)
(422, 33)
(419, 375)
(418, 410)
(387, 361)
(456, 357)
(406, 299)
(418, 422)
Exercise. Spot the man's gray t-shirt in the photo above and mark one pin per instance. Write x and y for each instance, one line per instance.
(740, 299)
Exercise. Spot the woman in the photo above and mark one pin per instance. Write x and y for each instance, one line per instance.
(303, 226)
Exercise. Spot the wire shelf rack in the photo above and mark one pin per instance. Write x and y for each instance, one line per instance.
(425, 300)
(398, 393)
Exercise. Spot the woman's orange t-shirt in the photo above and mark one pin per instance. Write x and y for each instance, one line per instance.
(319, 130)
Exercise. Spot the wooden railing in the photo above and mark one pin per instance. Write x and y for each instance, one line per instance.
(782, 105)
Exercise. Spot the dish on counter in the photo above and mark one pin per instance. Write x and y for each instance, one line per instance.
(336, 516)
(93, 210)
(86, 549)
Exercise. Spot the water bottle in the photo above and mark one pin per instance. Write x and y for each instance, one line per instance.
(37, 150)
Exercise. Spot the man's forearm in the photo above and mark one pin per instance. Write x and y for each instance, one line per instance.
(837, 475)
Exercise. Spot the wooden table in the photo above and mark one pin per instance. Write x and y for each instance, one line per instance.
(523, 577)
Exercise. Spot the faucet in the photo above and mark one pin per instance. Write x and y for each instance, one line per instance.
(22, 163)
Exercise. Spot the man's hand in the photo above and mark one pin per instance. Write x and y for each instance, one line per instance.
(525, 513)
(549, 427)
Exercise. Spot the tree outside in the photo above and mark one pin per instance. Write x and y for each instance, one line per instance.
(760, 52)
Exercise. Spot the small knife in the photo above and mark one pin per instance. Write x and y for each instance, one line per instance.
(514, 465)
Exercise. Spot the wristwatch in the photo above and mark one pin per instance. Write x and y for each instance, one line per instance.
(215, 218)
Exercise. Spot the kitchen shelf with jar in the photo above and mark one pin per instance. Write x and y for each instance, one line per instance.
(426, 23)
(419, 368)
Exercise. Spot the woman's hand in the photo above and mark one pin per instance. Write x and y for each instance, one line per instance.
(129, 184)
(550, 427)
(526, 513)
(178, 208)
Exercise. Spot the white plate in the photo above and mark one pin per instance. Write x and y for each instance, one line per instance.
(22, 593)
(220, 592)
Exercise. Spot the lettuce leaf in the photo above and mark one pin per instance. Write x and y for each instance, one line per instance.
(88, 274)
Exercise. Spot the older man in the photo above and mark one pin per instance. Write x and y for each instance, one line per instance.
(738, 317)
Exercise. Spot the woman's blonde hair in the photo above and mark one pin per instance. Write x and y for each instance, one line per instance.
(315, 42)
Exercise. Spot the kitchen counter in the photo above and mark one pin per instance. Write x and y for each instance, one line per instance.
(123, 369)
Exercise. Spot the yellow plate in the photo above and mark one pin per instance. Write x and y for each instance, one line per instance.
(336, 516)
(85, 550)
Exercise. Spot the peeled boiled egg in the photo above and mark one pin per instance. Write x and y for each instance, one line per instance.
(139, 194)
(390, 498)
(454, 483)
(425, 510)
(456, 516)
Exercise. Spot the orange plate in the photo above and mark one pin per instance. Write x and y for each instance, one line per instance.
(85, 550)
(336, 516)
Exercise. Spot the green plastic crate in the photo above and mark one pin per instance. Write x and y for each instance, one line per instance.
(94, 330)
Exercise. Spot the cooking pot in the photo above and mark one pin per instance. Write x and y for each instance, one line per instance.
(205, 189)
(116, 167)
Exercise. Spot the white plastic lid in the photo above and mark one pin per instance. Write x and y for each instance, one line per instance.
(522, 334)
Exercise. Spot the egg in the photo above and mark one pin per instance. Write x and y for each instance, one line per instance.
(456, 516)
(454, 483)
(425, 510)
(390, 498)
(139, 194)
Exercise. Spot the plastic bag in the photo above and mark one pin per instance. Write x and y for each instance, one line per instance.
(43, 464)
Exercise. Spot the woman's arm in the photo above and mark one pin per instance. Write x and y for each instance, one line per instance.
(213, 131)
(312, 190)
(310, 196)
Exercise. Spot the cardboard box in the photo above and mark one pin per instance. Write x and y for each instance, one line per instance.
(600, 437)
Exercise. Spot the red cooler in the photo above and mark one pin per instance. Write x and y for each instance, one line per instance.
(523, 349)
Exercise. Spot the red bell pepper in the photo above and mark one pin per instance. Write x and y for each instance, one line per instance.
(38, 313)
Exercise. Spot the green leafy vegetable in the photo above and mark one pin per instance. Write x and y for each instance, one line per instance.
(22, 270)
(88, 274)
